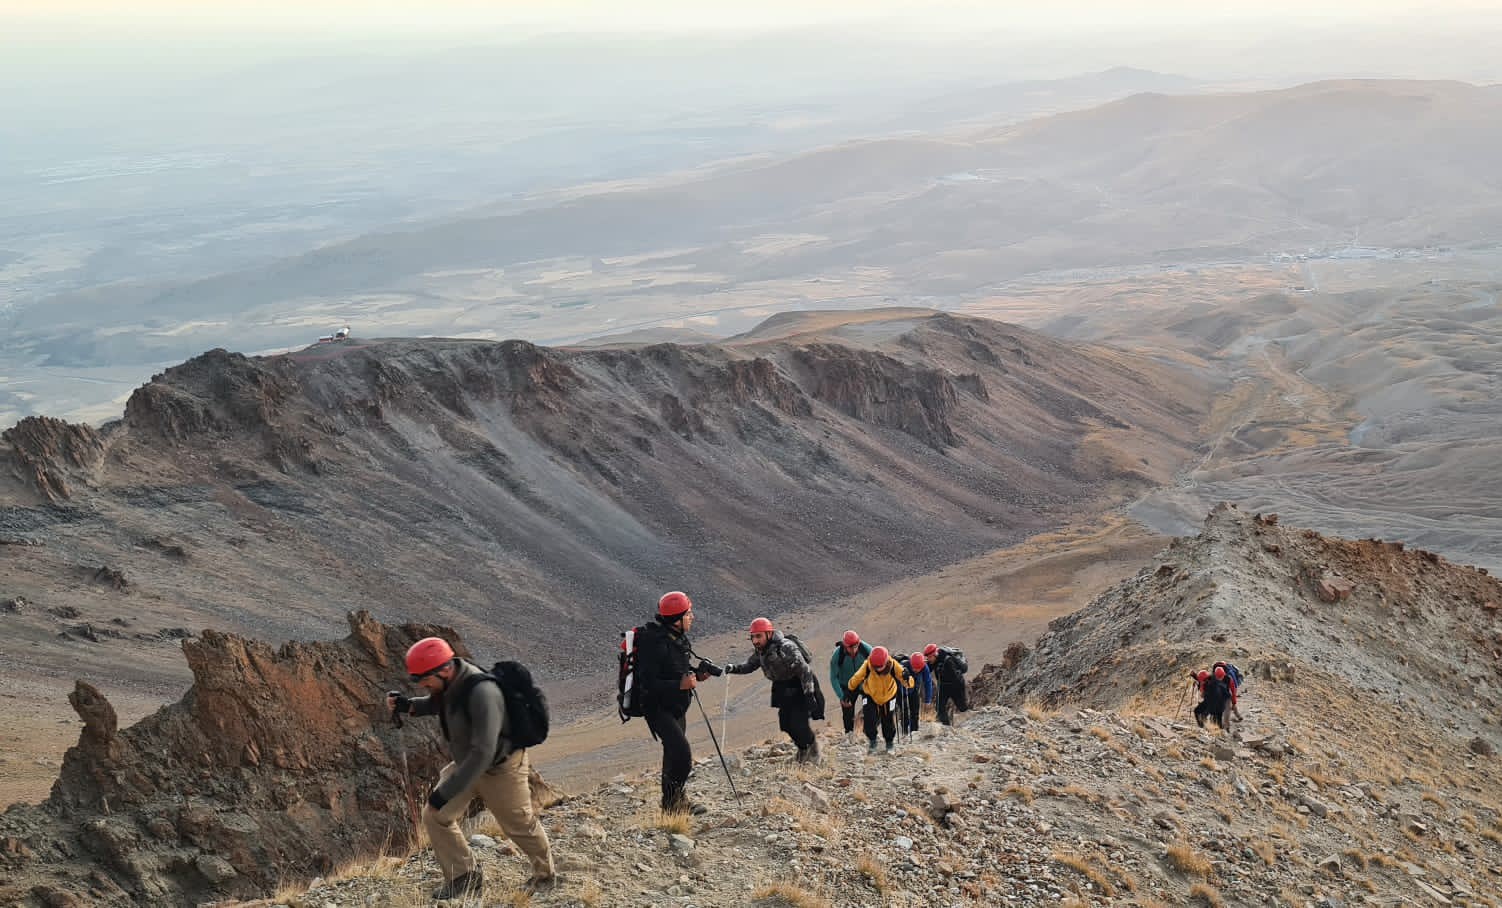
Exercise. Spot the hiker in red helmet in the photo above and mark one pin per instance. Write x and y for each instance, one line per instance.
(1215, 698)
(921, 692)
(484, 766)
(849, 654)
(881, 679)
(949, 666)
(665, 667)
(1232, 677)
(795, 687)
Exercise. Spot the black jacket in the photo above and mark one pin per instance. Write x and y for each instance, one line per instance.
(663, 657)
(946, 666)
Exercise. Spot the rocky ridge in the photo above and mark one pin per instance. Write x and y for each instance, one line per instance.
(560, 489)
(1084, 789)
(274, 763)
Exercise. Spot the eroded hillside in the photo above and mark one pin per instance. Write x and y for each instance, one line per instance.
(1088, 786)
(544, 497)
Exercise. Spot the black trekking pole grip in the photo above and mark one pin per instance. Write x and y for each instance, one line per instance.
(710, 725)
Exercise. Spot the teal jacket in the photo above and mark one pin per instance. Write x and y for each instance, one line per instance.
(843, 667)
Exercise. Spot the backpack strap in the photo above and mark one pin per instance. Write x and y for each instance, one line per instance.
(461, 697)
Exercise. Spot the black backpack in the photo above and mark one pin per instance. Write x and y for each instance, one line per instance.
(630, 695)
(808, 656)
(526, 705)
(954, 660)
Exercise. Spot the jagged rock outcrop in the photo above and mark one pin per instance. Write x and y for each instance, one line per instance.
(1409, 627)
(277, 764)
(46, 452)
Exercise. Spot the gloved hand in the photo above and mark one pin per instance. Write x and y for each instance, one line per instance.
(847, 701)
(436, 800)
(815, 708)
(397, 703)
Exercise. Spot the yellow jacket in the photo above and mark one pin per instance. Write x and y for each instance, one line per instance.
(881, 687)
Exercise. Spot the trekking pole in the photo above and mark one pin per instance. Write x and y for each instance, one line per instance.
(1182, 699)
(725, 713)
(710, 725)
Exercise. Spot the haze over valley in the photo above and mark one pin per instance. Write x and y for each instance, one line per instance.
(937, 331)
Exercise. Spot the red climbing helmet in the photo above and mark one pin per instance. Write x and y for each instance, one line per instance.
(879, 657)
(673, 604)
(852, 638)
(427, 656)
(762, 626)
(916, 662)
(931, 650)
(1220, 672)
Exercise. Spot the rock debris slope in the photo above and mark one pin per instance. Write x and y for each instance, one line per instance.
(1364, 772)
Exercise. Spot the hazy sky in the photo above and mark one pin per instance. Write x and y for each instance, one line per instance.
(723, 14)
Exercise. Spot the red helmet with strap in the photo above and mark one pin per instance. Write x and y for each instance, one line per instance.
(427, 654)
(931, 650)
(673, 604)
(879, 657)
(916, 662)
(762, 626)
(852, 638)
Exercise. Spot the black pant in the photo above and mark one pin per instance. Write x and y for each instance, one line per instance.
(885, 715)
(951, 692)
(847, 713)
(677, 759)
(1214, 709)
(792, 713)
(913, 704)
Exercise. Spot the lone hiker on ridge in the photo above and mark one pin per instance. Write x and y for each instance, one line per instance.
(795, 689)
(663, 665)
(484, 766)
(848, 656)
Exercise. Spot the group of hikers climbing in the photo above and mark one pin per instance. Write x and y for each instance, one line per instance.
(660, 673)
(491, 717)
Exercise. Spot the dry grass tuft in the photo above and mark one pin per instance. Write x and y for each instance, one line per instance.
(1036, 712)
(1173, 752)
(1023, 793)
(1210, 764)
(1087, 870)
(1101, 734)
(590, 895)
(874, 872)
(666, 821)
(1265, 851)
(1188, 861)
(791, 895)
(803, 817)
(1356, 856)
(1207, 894)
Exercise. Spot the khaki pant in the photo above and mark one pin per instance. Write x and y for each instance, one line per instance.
(506, 794)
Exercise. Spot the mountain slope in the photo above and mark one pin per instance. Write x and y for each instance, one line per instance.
(1090, 788)
(542, 499)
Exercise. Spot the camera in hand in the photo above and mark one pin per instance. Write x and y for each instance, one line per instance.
(709, 668)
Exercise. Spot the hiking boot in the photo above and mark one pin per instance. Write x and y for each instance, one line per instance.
(849, 738)
(871, 748)
(813, 751)
(682, 804)
(461, 886)
(536, 884)
(1199, 720)
(890, 747)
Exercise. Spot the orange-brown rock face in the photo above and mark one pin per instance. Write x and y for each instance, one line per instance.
(278, 763)
(47, 451)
